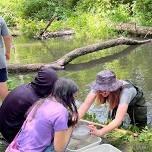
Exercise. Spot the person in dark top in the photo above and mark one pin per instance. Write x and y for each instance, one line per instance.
(14, 107)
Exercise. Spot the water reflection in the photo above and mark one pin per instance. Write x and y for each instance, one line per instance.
(102, 60)
(133, 63)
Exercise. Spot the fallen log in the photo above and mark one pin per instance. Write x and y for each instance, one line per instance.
(17, 68)
(61, 33)
(133, 28)
(60, 63)
(97, 47)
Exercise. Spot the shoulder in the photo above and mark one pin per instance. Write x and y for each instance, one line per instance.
(127, 94)
(55, 106)
(21, 95)
(128, 87)
(19, 90)
(54, 111)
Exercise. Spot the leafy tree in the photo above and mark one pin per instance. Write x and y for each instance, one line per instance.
(43, 9)
(143, 11)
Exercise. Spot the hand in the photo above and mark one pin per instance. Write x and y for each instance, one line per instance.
(7, 54)
(75, 117)
(94, 130)
(72, 119)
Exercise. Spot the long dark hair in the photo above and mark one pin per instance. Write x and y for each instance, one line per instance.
(63, 91)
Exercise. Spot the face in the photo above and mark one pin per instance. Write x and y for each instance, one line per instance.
(104, 93)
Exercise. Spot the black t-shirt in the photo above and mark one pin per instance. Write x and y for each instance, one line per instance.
(13, 109)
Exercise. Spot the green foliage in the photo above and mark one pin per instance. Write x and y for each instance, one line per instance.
(43, 9)
(121, 13)
(141, 147)
(8, 9)
(11, 85)
(90, 117)
(117, 2)
(90, 18)
(101, 7)
(145, 136)
(143, 12)
(141, 143)
(31, 28)
(86, 24)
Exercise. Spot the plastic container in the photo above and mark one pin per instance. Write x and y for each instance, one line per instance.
(81, 139)
(81, 132)
(103, 148)
(80, 145)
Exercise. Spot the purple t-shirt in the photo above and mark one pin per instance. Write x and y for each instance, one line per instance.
(38, 134)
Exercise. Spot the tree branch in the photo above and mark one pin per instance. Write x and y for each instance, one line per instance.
(60, 63)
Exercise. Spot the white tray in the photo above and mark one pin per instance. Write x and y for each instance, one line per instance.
(74, 145)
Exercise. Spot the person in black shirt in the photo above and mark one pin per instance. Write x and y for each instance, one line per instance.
(14, 107)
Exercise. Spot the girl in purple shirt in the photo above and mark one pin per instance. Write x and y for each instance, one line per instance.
(48, 125)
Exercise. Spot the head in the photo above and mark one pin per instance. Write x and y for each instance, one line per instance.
(44, 82)
(64, 92)
(108, 87)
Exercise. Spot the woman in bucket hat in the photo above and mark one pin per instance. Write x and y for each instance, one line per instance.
(123, 97)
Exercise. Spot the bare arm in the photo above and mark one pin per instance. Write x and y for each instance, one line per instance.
(61, 139)
(86, 104)
(120, 115)
(8, 44)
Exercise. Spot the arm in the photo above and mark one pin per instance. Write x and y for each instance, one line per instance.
(120, 115)
(7, 39)
(126, 96)
(86, 104)
(61, 139)
(8, 43)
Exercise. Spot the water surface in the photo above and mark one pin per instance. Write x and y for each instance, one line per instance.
(133, 63)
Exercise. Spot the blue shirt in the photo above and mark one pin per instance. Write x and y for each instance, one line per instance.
(3, 32)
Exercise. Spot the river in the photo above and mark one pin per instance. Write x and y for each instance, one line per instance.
(132, 63)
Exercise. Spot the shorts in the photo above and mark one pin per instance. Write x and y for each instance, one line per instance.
(49, 149)
(3, 75)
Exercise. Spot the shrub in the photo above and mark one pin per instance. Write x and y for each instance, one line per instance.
(43, 9)
(143, 11)
(121, 13)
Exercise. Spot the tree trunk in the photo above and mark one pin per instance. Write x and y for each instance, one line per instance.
(133, 28)
(97, 47)
(49, 23)
(60, 63)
